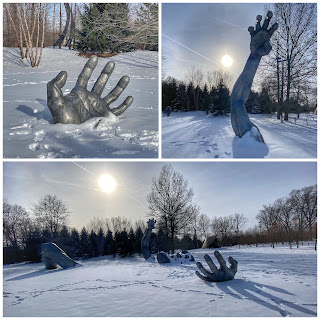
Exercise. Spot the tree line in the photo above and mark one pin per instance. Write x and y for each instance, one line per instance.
(94, 27)
(180, 225)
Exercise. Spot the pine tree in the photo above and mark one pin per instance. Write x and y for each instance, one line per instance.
(104, 27)
(206, 100)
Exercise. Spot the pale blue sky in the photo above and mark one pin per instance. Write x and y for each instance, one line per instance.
(212, 30)
(221, 188)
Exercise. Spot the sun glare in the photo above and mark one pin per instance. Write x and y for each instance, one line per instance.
(107, 183)
(226, 60)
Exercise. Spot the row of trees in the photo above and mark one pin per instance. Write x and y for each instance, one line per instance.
(112, 27)
(291, 218)
(210, 93)
(294, 54)
(179, 223)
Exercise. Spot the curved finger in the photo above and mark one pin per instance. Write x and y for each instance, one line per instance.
(267, 20)
(123, 106)
(222, 262)
(273, 29)
(233, 264)
(251, 30)
(258, 20)
(103, 78)
(203, 270)
(202, 277)
(87, 72)
(115, 93)
(55, 85)
(210, 263)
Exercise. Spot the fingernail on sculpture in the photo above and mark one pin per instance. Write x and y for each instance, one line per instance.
(80, 104)
(146, 239)
(52, 256)
(259, 46)
(217, 275)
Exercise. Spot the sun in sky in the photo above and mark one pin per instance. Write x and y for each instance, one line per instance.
(107, 183)
(226, 60)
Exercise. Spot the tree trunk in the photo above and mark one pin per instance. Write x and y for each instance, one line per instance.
(66, 27)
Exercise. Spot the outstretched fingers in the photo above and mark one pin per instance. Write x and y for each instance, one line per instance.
(273, 28)
(123, 106)
(103, 78)
(221, 261)
(202, 277)
(203, 270)
(210, 263)
(87, 72)
(267, 20)
(115, 93)
(258, 22)
(55, 85)
(233, 265)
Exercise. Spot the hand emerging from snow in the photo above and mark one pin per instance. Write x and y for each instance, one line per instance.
(80, 104)
(218, 275)
(260, 38)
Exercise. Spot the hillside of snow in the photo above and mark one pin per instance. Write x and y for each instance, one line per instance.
(269, 283)
(28, 129)
(197, 135)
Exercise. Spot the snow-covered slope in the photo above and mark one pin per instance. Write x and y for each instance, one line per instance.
(195, 135)
(270, 282)
(28, 130)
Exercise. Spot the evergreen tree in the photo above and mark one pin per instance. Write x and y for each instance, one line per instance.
(84, 245)
(206, 100)
(104, 27)
(169, 93)
(138, 238)
(266, 104)
(190, 95)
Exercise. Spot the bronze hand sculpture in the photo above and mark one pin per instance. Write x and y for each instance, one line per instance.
(259, 46)
(80, 104)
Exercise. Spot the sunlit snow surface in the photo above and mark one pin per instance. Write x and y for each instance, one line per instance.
(270, 282)
(28, 130)
(197, 135)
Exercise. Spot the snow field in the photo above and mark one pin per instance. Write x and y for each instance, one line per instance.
(196, 135)
(28, 127)
(270, 282)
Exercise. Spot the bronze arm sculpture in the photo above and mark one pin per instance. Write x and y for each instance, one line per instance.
(218, 275)
(259, 46)
(80, 104)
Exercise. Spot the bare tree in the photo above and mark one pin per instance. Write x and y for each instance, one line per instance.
(16, 223)
(51, 213)
(203, 223)
(296, 42)
(170, 200)
(239, 221)
(222, 227)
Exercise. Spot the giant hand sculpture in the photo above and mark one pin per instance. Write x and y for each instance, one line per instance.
(52, 256)
(218, 275)
(146, 238)
(259, 46)
(80, 104)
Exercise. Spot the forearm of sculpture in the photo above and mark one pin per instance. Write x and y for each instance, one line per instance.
(241, 89)
(240, 93)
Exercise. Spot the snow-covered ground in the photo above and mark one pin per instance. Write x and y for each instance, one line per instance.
(270, 282)
(196, 135)
(28, 130)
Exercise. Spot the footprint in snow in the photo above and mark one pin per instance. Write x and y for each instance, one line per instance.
(208, 151)
(216, 156)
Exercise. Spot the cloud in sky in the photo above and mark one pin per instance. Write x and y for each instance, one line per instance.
(221, 188)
